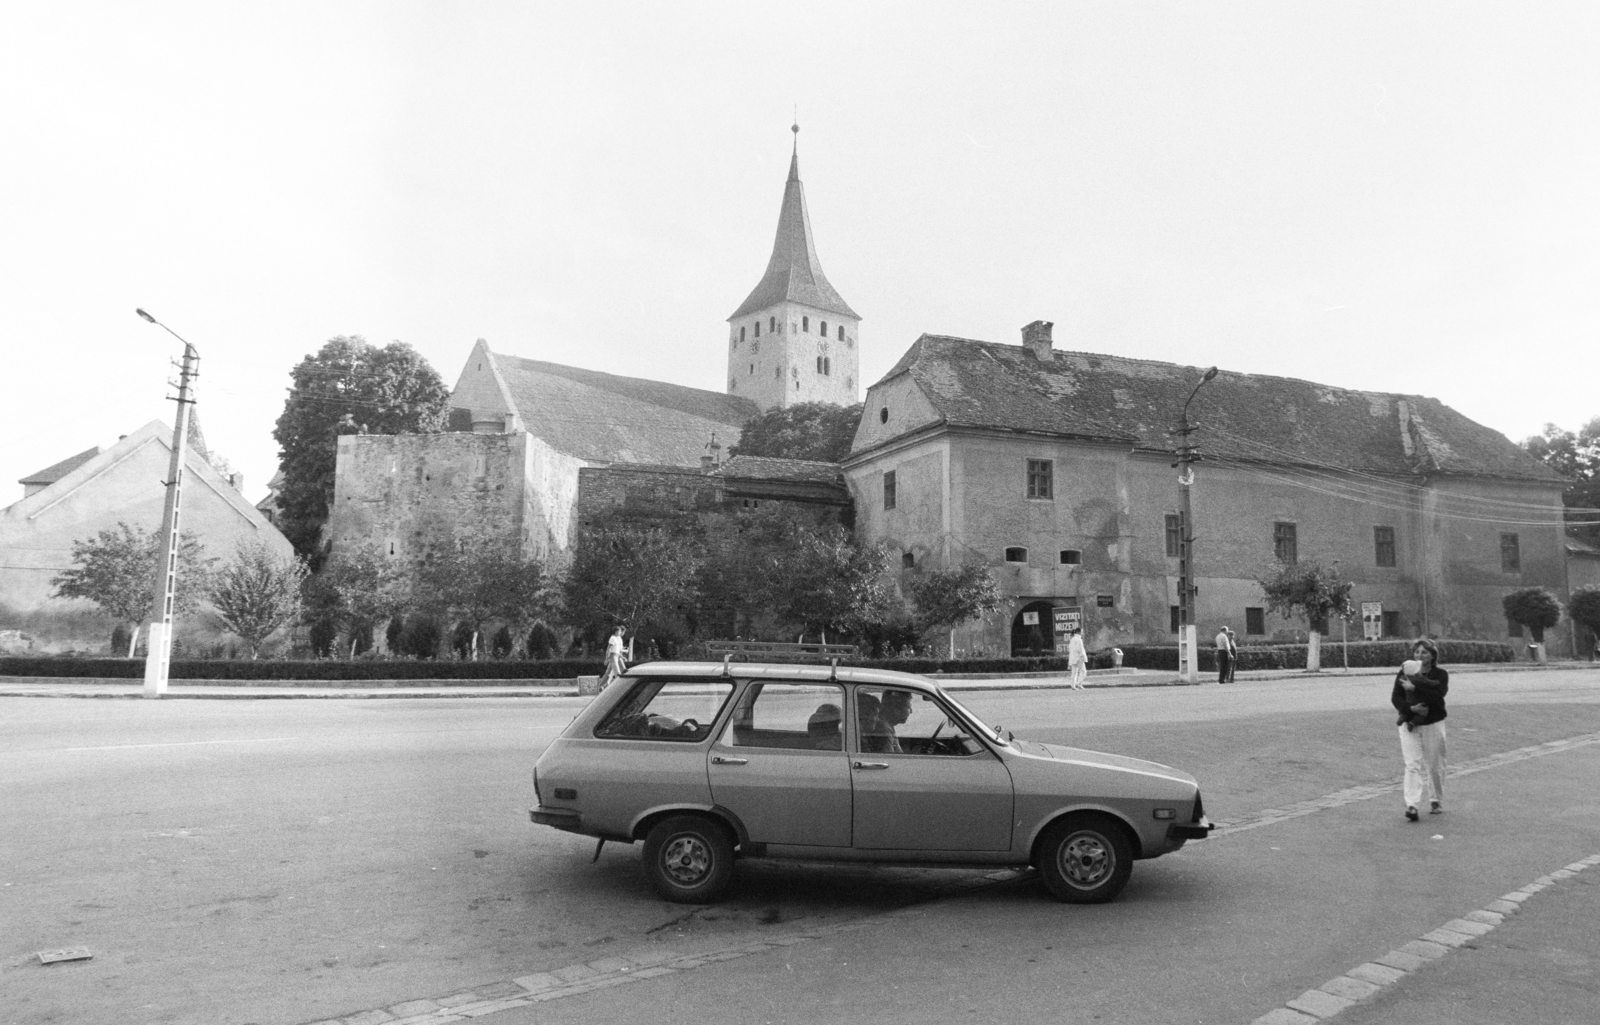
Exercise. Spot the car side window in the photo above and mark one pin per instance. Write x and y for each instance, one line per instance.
(896, 721)
(665, 709)
(789, 716)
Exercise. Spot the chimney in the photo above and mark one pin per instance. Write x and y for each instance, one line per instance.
(1036, 336)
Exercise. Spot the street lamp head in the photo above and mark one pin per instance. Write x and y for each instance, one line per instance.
(1209, 375)
(145, 315)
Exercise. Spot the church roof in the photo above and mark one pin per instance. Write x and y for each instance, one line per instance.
(794, 274)
(51, 474)
(1244, 417)
(609, 418)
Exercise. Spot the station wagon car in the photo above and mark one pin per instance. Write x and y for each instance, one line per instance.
(707, 762)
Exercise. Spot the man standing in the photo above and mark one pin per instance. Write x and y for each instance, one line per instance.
(1224, 656)
(616, 658)
(1233, 652)
(1077, 659)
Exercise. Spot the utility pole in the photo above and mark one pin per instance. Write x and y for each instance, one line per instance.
(1188, 455)
(158, 639)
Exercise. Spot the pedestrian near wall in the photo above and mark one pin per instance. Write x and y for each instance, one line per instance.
(1233, 652)
(616, 658)
(1077, 659)
(1418, 695)
(1224, 656)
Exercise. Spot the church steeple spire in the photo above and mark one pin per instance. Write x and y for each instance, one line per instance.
(794, 274)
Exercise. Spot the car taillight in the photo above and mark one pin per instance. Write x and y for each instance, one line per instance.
(539, 800)
(1199, 809)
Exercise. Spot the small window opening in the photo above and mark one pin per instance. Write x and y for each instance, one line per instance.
(841, 332)
(883, 415)
(772, 324)
(1016, 554)
(805, 324)
(827, 367)
(758, 329)
(741, 334)
(908, 560)
(1071, 557)
(822, 328)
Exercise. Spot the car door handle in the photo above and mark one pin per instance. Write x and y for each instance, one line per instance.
(722, 760)
(871, 765)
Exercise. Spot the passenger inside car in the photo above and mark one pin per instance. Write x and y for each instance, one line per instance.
(823, 728)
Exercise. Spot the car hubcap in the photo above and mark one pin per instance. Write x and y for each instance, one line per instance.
(686, 859)
(1085, 860)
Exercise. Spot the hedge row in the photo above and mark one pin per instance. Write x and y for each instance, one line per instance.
(1137, 656)
(320, 669)
(1293, 656)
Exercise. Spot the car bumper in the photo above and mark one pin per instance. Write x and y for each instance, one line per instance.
(1191, 830)
(560, 818)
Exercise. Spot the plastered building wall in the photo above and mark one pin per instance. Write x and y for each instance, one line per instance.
(122, 484)
(962, 498)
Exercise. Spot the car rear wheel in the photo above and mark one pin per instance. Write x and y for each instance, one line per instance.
(688, 859)
(1085, 859)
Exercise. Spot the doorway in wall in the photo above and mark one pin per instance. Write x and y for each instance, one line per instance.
(1033, 630)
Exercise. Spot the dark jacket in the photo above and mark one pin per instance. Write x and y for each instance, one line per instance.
(1431, 688)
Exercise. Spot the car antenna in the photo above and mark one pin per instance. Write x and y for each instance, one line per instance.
(727, 669)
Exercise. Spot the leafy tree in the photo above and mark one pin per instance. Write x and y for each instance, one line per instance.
(629, 573)
(827, 580)
(479, 582)
(357, 589)
(945, 598)
(1533, 607)
(806, 430)
(1583, 606)
(1575, 455)
(256, 592)
(1311, 591)
(348, 387)
(116, 570)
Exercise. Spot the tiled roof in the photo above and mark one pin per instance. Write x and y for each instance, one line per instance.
(1241, 416)
(607, 418)
(771, 468)
(51, 474)
(794, 274)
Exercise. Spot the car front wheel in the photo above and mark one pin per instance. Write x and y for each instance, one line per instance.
(1085, 859)
(688, 859)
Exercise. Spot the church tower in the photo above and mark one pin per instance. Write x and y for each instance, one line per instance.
(794, 339)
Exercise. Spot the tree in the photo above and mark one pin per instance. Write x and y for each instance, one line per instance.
(479, 583)
(629, 573)
(945, 598)
(806, 430)
(348, 387)
(1575, 455)
(1583, 606)
(1535, 608)
(827, 580)
(116, 570)
(357, 589)
(1309, 590)
(257, 592)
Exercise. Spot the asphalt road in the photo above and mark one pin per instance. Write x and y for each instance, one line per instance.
(285, 862)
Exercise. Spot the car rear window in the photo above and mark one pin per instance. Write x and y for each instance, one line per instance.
(657, 708)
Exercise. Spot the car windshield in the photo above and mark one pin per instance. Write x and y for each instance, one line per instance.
(982, 727)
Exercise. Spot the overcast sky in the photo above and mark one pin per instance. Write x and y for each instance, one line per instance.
(1394, 197)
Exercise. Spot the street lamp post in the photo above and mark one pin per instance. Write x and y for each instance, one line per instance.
(1188, 643)
(158, 639)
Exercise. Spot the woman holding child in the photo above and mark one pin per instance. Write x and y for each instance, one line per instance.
(1418, 695)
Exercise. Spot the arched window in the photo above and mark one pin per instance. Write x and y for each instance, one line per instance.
(819, 364)
(908, 560)
(822, 328)
(1071, 557)
(805, 324)
(741, 334)
(827, 367)
(883, 415)
(772, 323)
(777, 372)
(841, 332)
(758, 329)
(1016, 554)
(752, 370)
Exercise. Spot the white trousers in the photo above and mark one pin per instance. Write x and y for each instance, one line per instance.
(1423, 751)
(1079, 672)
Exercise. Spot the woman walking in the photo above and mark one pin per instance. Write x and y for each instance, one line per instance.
(1077, 659)
(1418, 695)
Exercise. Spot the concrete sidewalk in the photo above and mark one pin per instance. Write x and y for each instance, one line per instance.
(1099, 679)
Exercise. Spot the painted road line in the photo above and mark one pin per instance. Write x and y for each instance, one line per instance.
(181, 743)
(1364, 980)
(1366, 792)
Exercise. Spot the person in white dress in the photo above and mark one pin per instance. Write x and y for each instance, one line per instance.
(1077, 659)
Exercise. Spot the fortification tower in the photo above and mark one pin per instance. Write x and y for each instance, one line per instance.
(794, 339)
